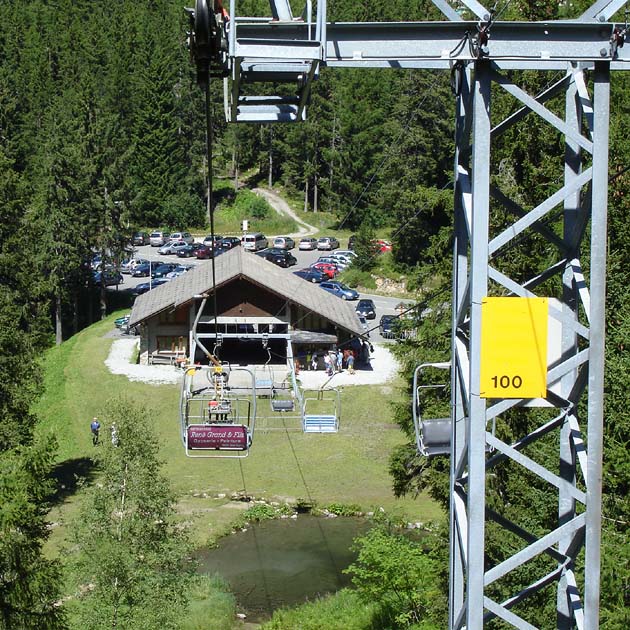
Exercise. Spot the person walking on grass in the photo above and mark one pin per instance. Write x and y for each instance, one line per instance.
(95, 427)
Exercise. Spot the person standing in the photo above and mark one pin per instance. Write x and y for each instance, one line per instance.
(95, 427)
(350, 363)
(114, 434)
(339, 360)
(327, 364)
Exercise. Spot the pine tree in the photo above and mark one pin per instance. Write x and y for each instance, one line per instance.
(133, 560)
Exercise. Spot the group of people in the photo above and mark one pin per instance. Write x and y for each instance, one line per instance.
(95, 428)
(333, 360)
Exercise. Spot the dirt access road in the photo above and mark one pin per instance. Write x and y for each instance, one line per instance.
(282, 207)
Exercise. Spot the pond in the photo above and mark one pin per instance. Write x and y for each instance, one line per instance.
(284, 562)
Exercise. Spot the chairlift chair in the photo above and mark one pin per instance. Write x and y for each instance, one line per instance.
(263, 374)
(433, 436)
(319, 422)
(216, 421)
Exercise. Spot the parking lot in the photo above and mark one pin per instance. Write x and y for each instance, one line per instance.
(384, 305)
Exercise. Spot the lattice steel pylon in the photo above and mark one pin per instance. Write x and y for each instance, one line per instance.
(482, 53)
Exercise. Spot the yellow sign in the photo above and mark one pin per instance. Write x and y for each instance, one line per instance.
(514, 347)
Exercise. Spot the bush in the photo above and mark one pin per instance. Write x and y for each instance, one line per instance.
(342, 509)
(261, 512)
(354, 277)
(399, 575)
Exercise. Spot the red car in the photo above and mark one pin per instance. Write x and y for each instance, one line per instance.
(383, 246)
(204, 252)
(328, 268)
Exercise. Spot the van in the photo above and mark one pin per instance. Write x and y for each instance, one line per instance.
(254, 242)
(183, 236)
(157, 239)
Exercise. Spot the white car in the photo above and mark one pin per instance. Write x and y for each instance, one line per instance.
(348, 253)
(344, 260)
(172, 248)
(129, 265)
(307, 243)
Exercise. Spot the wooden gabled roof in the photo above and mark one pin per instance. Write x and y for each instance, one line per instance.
(237, 263)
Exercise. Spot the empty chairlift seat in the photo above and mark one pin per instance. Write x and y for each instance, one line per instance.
(435, 437)
(324, 414)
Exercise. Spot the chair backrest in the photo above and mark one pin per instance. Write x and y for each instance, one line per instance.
(436, 436)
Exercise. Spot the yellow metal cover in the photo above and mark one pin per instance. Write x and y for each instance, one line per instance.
(514, 347)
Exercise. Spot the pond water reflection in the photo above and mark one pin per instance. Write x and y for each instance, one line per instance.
(284, 562)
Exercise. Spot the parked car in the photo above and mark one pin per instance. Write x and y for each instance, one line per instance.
(140, 238)
(344, 260)
(307, 243)
(189, 251)
(387, 326)
(121, 322)
(327, 243)
(183, 236)
(144, 269)
(382, 246)
(271, 250)
(207, 251)
(159, 271)
(340, 290)
(229, 242)
(284, 242)
(96, 262)
(208, 240)
(110, 277)
(128, 266)
(254, 242)
(312, 275)
(157, 239)
(178, 271)
(348, 253)
(333, 261)
(282, 259)
(367, 308)
(147, 286)
(329, 269)
(172, 247)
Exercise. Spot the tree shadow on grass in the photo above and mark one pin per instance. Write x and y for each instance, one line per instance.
(69, 476)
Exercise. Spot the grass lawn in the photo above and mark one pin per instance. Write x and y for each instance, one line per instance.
(349, 467)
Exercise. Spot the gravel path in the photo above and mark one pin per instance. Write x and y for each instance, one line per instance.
(383, 368)
(118, 362)
(282, 207)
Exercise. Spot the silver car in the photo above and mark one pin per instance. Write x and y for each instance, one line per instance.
(183, 236)
(284, 242)
(157, 239)
(172, 248)
(327, 243)
(308, 243)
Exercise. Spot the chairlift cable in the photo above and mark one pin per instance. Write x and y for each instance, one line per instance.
(209, 143)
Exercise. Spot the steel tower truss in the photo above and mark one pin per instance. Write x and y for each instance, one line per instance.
(485, 57)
